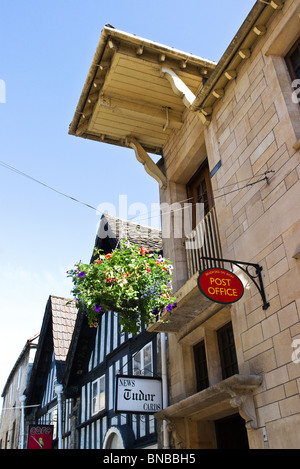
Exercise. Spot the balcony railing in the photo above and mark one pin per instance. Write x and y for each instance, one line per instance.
(203, 241)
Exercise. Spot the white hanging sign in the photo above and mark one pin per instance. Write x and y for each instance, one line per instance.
(138, 394)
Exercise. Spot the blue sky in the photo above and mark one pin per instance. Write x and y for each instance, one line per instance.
(46, 49)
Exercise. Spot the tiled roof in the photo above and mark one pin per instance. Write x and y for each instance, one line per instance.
(145, 236)
(64, 313)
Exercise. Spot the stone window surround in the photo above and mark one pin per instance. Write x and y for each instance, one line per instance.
(238, 388)
(289, 59)
(207, 331)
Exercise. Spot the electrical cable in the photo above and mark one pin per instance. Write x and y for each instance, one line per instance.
(21, 173)
(214, 197)
(7, 166)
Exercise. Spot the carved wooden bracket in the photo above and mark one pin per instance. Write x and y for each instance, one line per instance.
(143, 157)
(187, 96)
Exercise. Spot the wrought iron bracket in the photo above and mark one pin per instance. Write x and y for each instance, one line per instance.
(256, 279)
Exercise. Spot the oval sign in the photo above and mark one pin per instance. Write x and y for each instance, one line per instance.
(220, 285)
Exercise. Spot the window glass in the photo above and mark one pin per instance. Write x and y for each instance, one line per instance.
(137, 363)
(227, 351)
(143, 362)
(147, 352)
(95, 399)
(293, 60)
(102, 392)
(201, 366)
(98, 395)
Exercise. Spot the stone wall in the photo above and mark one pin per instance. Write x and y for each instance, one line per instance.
(255, 128)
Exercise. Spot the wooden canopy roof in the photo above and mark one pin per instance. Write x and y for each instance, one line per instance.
(137, 88)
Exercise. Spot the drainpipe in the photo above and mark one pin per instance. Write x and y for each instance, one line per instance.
(58, 391)
(22, 400)
(164, 386)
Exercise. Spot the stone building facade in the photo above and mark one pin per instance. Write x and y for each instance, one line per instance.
(254, 128)
(229, 138)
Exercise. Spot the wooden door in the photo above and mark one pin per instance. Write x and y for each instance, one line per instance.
(231, 433)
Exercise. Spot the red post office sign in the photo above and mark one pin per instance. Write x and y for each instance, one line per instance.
(40, 436)
(220, 285)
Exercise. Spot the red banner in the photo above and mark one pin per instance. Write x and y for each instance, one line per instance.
(220, 285)
(40, 436)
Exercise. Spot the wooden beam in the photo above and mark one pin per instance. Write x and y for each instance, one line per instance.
(205, 119)
(207, 110)
(151, 168)
(230, 74)
(142, 112)
(260, 30)
(218, 93)
(179, 87)
(140, 50)
(157, 57)
(244, 53)
(276, 4)
(112, 45)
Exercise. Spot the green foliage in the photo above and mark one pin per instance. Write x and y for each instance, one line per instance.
(130, 281)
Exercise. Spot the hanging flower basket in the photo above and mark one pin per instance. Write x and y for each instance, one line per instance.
(130, 281)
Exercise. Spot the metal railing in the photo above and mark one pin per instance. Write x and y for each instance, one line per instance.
(203, 241)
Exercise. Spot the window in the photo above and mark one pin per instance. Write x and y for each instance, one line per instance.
(98, 395)
(50, 418)
(227, 351)
(19, 377)
(142, 361)
(199, 191)
(13, 436)
(201, 366)
(293, 61)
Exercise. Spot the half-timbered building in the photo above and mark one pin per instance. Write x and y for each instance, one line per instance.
(45, 403)
(98, 355)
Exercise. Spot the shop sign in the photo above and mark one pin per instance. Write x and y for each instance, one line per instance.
(220, 285)
(40, 436)
(138, 394)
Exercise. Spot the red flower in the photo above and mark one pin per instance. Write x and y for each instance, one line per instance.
(98, 261)
(108, 256)
(144, 251)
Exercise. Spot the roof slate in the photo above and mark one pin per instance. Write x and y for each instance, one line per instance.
(144, 236)
(64, 313)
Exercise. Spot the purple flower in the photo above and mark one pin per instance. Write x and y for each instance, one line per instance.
(156, 312)
(97, 308)
(171, 306)
(81, 274)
